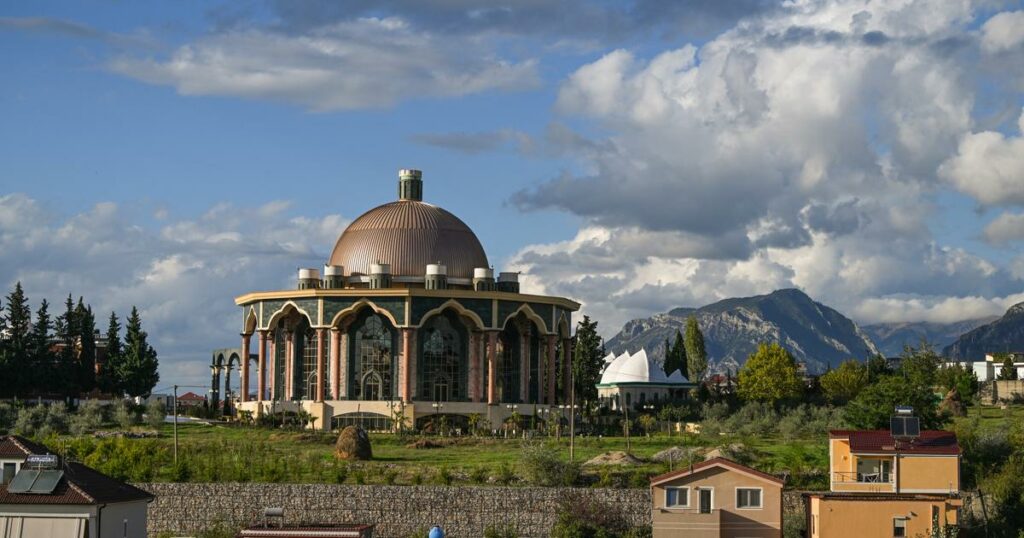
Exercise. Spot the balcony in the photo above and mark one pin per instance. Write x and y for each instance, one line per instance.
(868, 482)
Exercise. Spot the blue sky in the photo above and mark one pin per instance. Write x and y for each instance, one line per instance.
(635, 156)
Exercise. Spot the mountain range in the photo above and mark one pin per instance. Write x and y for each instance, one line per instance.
(817, 335)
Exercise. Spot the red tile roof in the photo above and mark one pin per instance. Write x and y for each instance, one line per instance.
(191, 396)
(79, 485)
(715, 462)
(933, 442)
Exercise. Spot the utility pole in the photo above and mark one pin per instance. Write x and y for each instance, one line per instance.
(175, 424)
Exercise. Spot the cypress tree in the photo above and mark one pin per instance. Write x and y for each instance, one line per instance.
(108, 381)
(19, 323)
(678, 356)
(86, 339)
(588, 360)
(66, 378)
(138, 368)
(41, 357)
(696, 355)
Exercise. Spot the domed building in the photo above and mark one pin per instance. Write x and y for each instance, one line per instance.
(406, 322)
(635, 379)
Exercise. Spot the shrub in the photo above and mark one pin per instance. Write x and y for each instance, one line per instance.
(543, 466)
(478, 475)
(124, 415)
(88, 419)
(360, 476)
(444, 476)
(42, 420)
(340, 473)
(505, 474)
(581, 517)
(8, 415)
(389, 476)
(417, 478)
(156, 412)
(754, 418)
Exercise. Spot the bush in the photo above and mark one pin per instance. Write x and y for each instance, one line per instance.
(505, 474)
(88, 419)
(581, 517)
(544, 467)
(444, 476)
(809, 421)
(123, 415)
(8, 416)
(478, 475)
(41, 421)
(340, 473)
(754, 418)
(156, 412)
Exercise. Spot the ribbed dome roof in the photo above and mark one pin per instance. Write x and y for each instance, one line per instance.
(638, 368)
(408, 235)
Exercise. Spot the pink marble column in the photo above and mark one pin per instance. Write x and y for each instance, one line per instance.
(524, 368)
(272, 361)
(406, 381)
(320, 363)
(245, 366)
(492, 367)
(474, 367)
(261, 366)
(335, 363)
(289, 361)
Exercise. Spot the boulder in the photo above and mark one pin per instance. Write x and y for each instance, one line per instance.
(353, 444)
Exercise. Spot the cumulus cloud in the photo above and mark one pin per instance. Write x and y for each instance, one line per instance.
(182, 275)
(989, 166)
(369, 62)
(803, 148)
(1005, 228)
(1003, 32)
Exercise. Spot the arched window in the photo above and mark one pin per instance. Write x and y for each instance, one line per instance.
(443, 365)
(507, 379)
(307, 375)
(373, 360)
(628, 398)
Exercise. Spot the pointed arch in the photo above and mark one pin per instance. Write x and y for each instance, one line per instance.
(284, 311)
(362, 303)
(458, 308)
(530, 315)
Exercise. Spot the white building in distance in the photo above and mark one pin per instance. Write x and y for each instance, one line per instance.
(634, 379)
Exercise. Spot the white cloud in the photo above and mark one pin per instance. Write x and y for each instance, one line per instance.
(1005, 228)
(989, 166)
(363, 63)
(936, 309)
(798, 149)
(183, 276)
(1003, 32)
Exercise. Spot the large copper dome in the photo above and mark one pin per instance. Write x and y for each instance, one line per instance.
(409, 234)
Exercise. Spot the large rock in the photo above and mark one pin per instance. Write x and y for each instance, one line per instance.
(353, 444)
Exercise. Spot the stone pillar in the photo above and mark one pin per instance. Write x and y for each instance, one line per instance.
(405, 385)
(289, 361)
(524, 368)
(244, 385)
(474, 367)
(492, 367)
(272, 364)
(335, 363)
(549, 396)
(567, 369)
(261, 366)
(320, 373)
(343, 370)
(214, 385)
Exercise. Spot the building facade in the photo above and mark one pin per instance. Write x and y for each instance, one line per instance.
(882, 486)
(717, 498)
(406, 322)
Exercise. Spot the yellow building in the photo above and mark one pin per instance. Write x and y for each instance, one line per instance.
(884, 487)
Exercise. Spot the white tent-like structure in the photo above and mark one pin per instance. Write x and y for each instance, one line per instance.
(634, 379)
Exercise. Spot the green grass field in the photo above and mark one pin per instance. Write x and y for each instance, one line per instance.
(215, 453)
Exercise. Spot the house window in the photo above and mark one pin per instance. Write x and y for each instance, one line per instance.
(899, 526)
(749, 498)
(677, 497)
(706, 500)
(10, 469)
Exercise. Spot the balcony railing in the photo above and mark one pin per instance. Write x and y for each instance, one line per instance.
(862, 478)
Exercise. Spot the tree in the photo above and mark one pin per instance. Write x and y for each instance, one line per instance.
(919, 366)
(873, 407)
(844, 383)
(696, 356)
(675, 357)
(877, 366)
(85, 335)
(770, 375)
(1008, 371)
(138, 368)
(587, 360)
(107, 380)
(65, 378)
(40, 356)
(17, 356)
(961, 378)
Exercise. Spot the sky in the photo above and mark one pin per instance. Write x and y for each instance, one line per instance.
(634, 156)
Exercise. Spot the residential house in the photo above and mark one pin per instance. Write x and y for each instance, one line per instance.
(716, 498)
(884, 486)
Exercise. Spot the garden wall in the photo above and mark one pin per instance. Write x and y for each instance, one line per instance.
(463, 511)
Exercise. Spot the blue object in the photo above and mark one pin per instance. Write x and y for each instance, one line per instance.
(436, 532)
